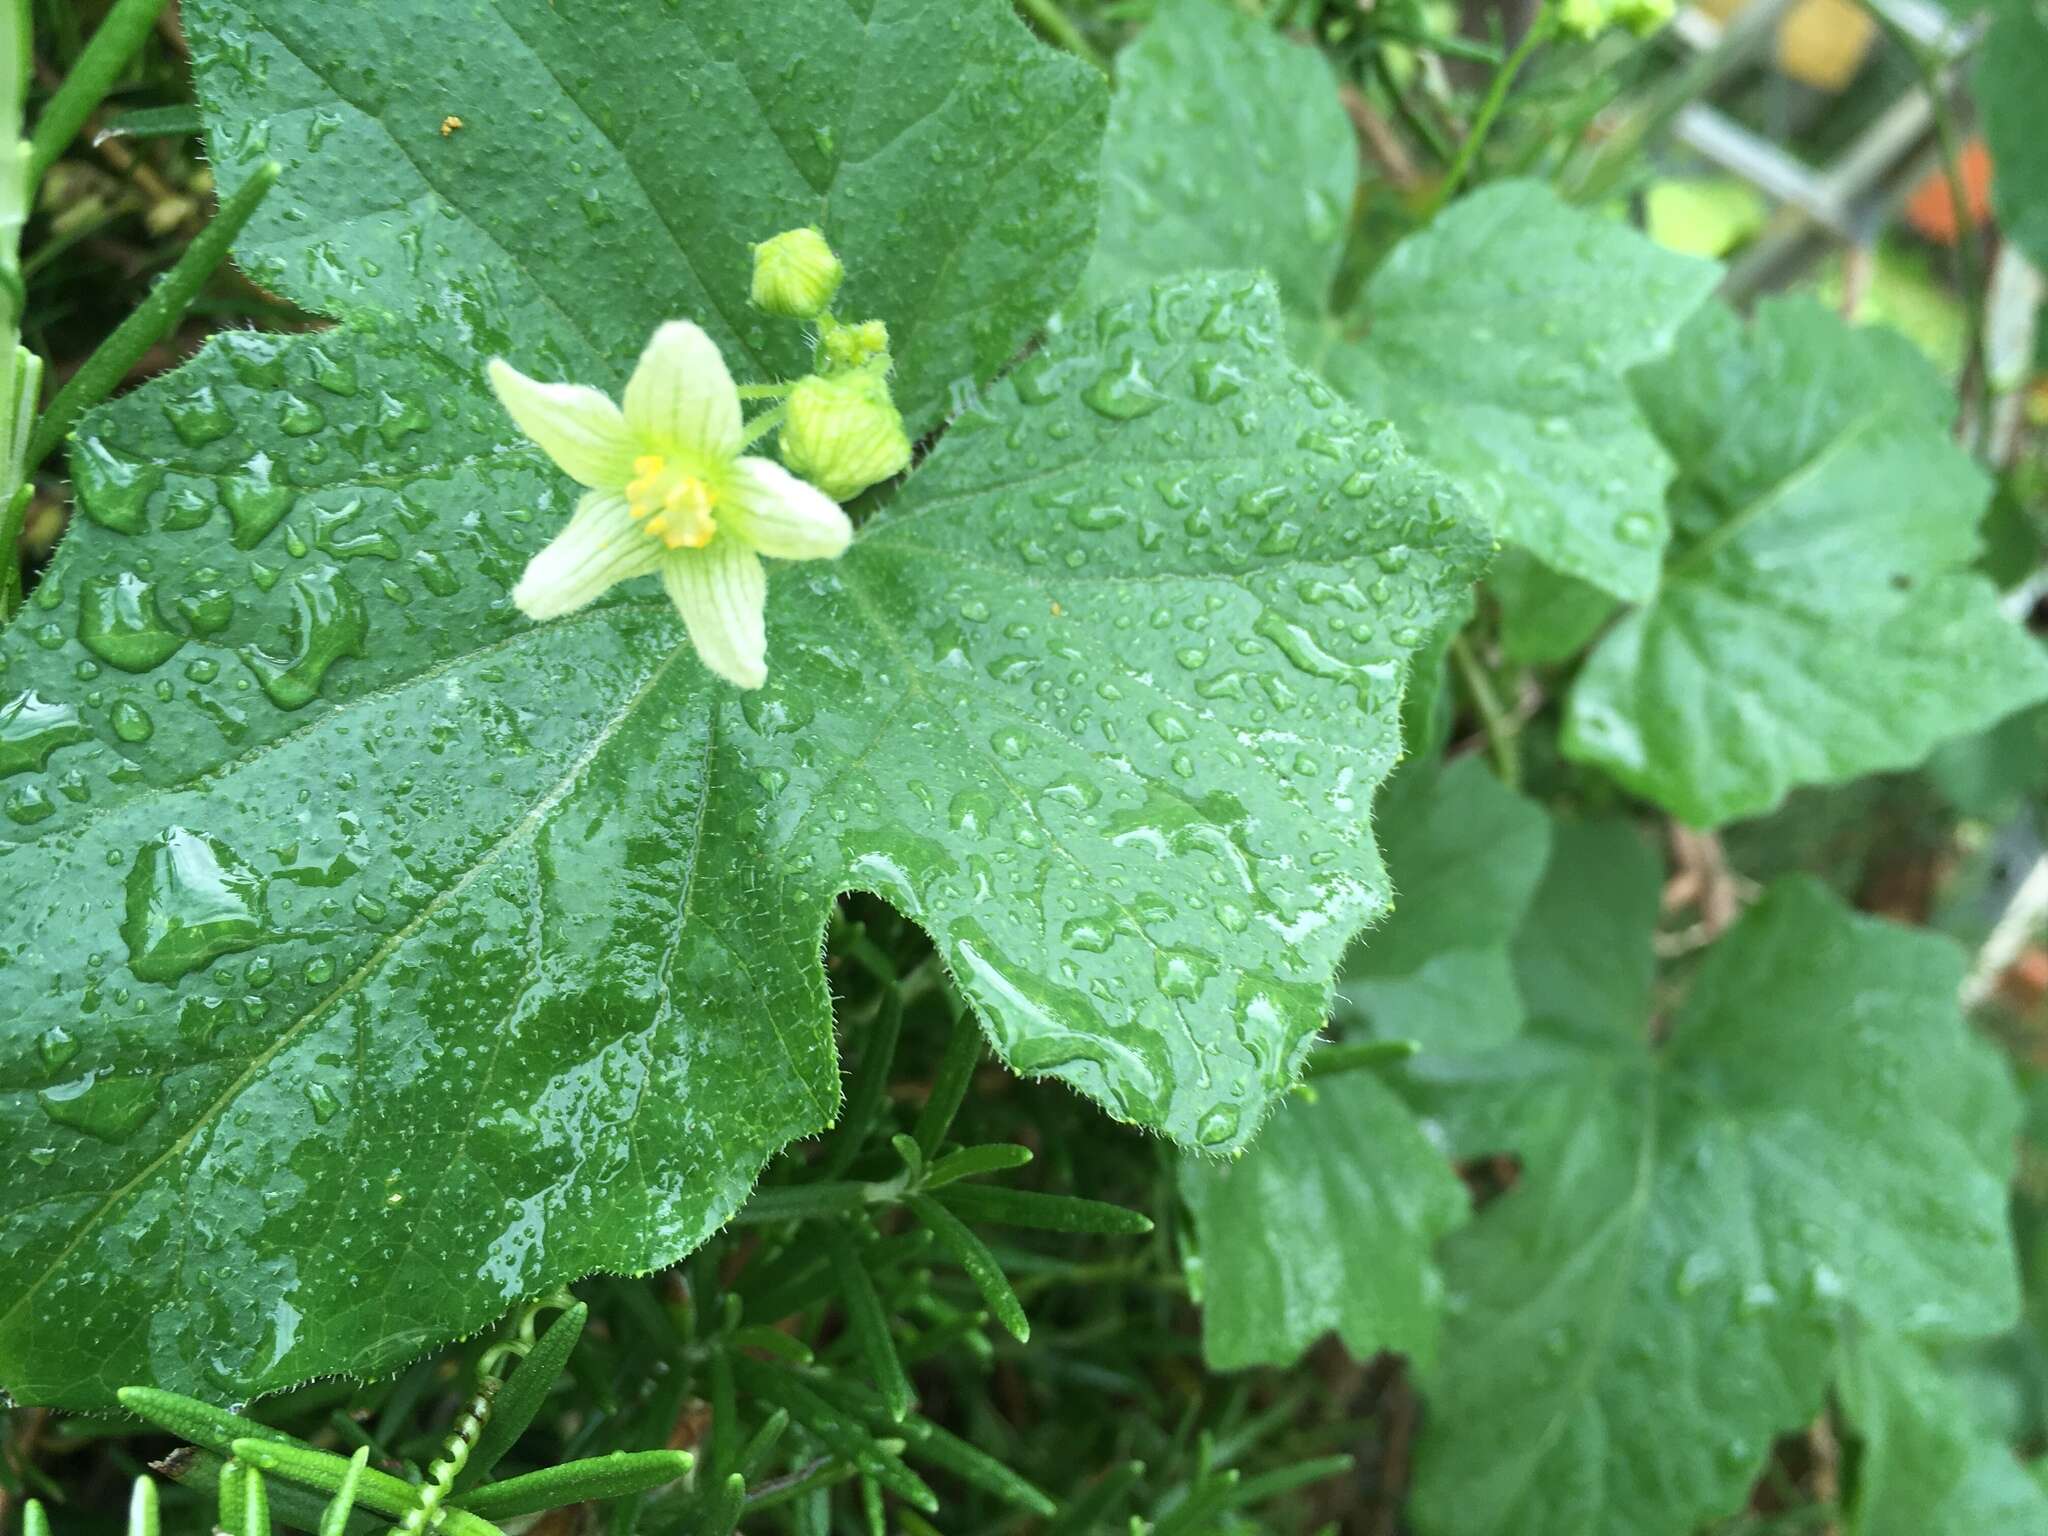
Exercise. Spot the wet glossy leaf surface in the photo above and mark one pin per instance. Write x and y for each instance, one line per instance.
(1329, 1223)
(1497, 339)
(1227, 150)
(1817, 618)
(1331, 1220)
(1661, 1290)
(395, 958)
(548, 179)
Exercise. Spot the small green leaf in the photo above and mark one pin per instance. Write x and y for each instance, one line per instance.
(1464, 853)
(252, 1503)
(996, 1206)
(334, 1518)
(523, 1395)
(144, 1519)
(754, 1455)
(870, 1082)
(1546, 617)
(972, 1255)
(1329, 1223)
(577, 1482)
(975, 1466)
(1356, 1055)
(949, 1090)
(1586, 948)
(200, 1423)
(973, 1162)
(1817, 620)
(868, 1322)
(1992, 775)
(722, 1512)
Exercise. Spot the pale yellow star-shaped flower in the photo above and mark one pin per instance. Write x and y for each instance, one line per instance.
(670, 492)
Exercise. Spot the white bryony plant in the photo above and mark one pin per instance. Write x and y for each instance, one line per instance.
(670, 491)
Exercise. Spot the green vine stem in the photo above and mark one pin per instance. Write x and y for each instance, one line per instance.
(1540, 30)
(112, 46)
(1499, 724)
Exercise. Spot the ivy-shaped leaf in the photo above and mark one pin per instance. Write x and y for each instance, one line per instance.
(1926, 1469)
(1329, 1223)
(1227, 149)
(394, 958)
(1660, 1291)
(1465, 854)
(547, 179)
(1817, 619)
(1496, 339)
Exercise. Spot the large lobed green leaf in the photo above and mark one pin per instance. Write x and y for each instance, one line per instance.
(1817, 620)
(1496, 339)
(1660, 1291)
(549, 178)
(382, 958)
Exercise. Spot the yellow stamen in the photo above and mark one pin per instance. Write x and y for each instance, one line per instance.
(671, 504)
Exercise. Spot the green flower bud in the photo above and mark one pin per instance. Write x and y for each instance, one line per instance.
(843, 433)
(1643, 17)
(848, 347)
(796, 274)
(1584, 18)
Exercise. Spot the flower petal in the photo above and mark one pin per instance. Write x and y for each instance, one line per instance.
(781, 515)
(601, 547)
(722, 594)
(681, 397)
(576, 425)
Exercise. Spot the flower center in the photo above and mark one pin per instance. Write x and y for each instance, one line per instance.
(672, 504)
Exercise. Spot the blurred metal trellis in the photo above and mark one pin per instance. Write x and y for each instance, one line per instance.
(1851, 198)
